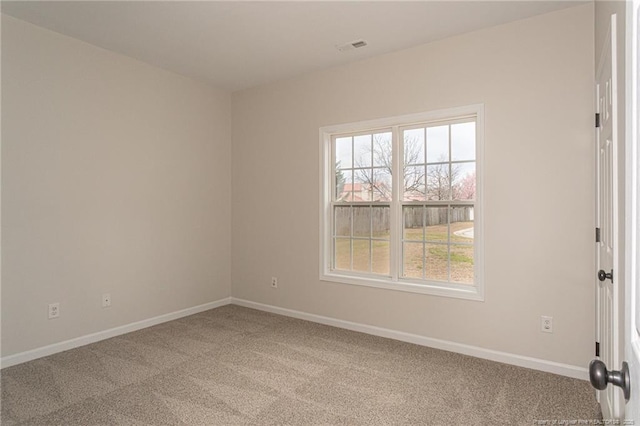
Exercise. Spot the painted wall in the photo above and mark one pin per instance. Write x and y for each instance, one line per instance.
(535, 78)
(115, 179)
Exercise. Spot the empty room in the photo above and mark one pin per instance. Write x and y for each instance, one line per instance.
(318, 213)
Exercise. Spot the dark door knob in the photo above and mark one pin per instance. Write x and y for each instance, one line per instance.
(600, 377)
(602, 275)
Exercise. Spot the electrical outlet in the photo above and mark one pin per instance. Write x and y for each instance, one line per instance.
(546, 324)
(274, 282)
(106, 300)
(54, 310)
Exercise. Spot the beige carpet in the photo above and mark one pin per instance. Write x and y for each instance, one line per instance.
(238, 366)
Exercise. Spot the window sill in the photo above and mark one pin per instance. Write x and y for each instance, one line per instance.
(458, 291)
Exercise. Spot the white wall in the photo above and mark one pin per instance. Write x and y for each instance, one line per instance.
(535, 78)
(115, 178)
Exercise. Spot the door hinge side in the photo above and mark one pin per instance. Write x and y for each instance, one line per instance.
(597, 120)
(597, 235)
(597, 348)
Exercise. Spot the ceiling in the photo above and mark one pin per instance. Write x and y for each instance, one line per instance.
(235, 45)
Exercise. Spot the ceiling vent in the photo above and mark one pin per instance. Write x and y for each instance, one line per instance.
(351, 46)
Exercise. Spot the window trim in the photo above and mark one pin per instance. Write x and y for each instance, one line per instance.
(461, 291)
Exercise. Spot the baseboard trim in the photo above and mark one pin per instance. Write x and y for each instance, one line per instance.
(43, 351)
(475, 351)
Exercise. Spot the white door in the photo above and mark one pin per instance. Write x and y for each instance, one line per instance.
(607, 327)
(632, 213)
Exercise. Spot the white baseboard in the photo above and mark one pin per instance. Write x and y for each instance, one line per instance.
(478, 352)
(475, 351)
(19, 358)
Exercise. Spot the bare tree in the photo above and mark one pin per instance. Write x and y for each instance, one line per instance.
(413, 177)
(378, 177)
(440, 180)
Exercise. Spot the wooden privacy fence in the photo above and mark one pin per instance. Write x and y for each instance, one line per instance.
(377, 218)
(415, 216)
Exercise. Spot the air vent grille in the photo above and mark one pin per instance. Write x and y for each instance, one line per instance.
(351, 45)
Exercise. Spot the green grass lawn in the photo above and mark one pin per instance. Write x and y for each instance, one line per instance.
(436, 256)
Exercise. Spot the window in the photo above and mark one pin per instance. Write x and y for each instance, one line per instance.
(402, 203)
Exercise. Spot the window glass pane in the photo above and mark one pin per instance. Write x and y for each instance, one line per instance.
(344, 185)
(361, 255)
(413, 223)
(382, 150)
(462, 264)
(362, 221)
(463, 141)
(342, 250)
(362, 151)
(437, 144)
(342, 221)
(414, 183)
(412, 260)
(462, 224)
(362, 185)
(414, 146)
(381, 184)
(343, 153)
(464, 181)
(437, 222)
(437, 262)
(381, 222)
(438, 182)
(380, 261)
(437, 178)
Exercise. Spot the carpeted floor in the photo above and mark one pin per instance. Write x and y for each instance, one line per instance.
(238, 366)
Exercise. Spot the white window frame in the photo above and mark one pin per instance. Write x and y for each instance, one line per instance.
(395, 282)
